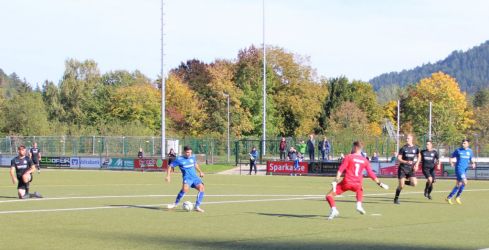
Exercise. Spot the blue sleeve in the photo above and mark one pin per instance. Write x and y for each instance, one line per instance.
(455, 154)
(12, 163)
(175, 163)
(471, 156)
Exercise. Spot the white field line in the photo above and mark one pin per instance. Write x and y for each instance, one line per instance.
(151, 205)
(304, 197)
(215, 195)
(154, 195)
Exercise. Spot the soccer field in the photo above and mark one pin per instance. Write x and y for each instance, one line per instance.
(127, 210)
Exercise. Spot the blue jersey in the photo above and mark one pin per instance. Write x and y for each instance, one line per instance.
(186, 165)
(464, 158)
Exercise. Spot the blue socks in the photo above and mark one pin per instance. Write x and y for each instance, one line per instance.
(200, 197)
(460, 190)
(179, 196)
(455, 190)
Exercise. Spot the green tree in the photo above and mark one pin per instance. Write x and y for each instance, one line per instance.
(137, 103)
(25, 114)
(77, 86)
(481, 98)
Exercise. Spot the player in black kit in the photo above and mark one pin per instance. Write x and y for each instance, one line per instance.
(408, 165)
(21, 168)
(35, 155)
(429, 159)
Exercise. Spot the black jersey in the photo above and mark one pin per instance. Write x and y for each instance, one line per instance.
(35, 154)
(21, 165)
(429, 158)
(408, 153)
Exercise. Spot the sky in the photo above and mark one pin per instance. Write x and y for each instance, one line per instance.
(358, 39)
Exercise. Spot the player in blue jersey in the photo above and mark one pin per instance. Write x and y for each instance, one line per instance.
(188, 165)
(464, 158)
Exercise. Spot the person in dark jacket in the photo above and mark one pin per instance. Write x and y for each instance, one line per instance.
(310, 147)
(171, 156)
(324, 147)
(282, 148)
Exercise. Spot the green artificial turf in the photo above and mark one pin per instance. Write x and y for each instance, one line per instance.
(126, 210)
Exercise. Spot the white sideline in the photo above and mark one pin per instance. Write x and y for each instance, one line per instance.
(301, 197)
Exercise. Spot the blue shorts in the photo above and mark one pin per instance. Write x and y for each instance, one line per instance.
(461, 174)
(192, 182)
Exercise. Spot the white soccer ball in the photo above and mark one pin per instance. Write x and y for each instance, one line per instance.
(188, 206)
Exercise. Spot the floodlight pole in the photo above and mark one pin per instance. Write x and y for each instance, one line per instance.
(264, 129)
(163, 89)
(228, 145)
(429, 133)
(398, 123)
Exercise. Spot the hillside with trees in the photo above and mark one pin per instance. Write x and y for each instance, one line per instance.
(470, 68)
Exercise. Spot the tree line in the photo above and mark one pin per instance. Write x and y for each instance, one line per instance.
(299, 102)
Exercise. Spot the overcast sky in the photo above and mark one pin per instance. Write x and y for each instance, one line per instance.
(356, 38)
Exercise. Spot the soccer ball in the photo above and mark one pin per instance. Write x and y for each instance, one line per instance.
(188, 206)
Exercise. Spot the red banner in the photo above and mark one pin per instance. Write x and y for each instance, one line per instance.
(150, 164)
(286, 167)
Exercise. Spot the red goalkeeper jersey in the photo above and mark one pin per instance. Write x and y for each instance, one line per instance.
(353, 165)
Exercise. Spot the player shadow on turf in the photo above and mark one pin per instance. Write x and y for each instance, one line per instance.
(291, 215)
(8, 197)
(139, 206)
(384, 199)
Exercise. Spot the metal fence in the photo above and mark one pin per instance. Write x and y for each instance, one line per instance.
(213, 149)
(384, 146)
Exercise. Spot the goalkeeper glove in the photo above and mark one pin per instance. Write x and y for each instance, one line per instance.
(384, 186)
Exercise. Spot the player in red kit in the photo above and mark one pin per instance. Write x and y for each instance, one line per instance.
(353, 165)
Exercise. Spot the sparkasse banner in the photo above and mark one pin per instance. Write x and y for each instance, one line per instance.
(286, 167)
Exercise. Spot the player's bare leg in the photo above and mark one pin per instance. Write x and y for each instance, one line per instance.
(333, 212)
(200, 196)
(359, 202)
(180, 195)
(413, 181)
(21, 193)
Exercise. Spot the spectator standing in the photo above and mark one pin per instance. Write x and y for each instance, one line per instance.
(282, 147)
(394, 157)
(324, 147)
(253, 155)
(171, 156)
(302, 148)
(310, 147)
(375, 157)
(140, 153)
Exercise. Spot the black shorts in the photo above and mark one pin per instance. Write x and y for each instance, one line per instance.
(404, 172)
(429, 172)
(21, 184)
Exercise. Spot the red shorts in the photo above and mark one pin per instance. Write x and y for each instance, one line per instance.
(345, 186)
